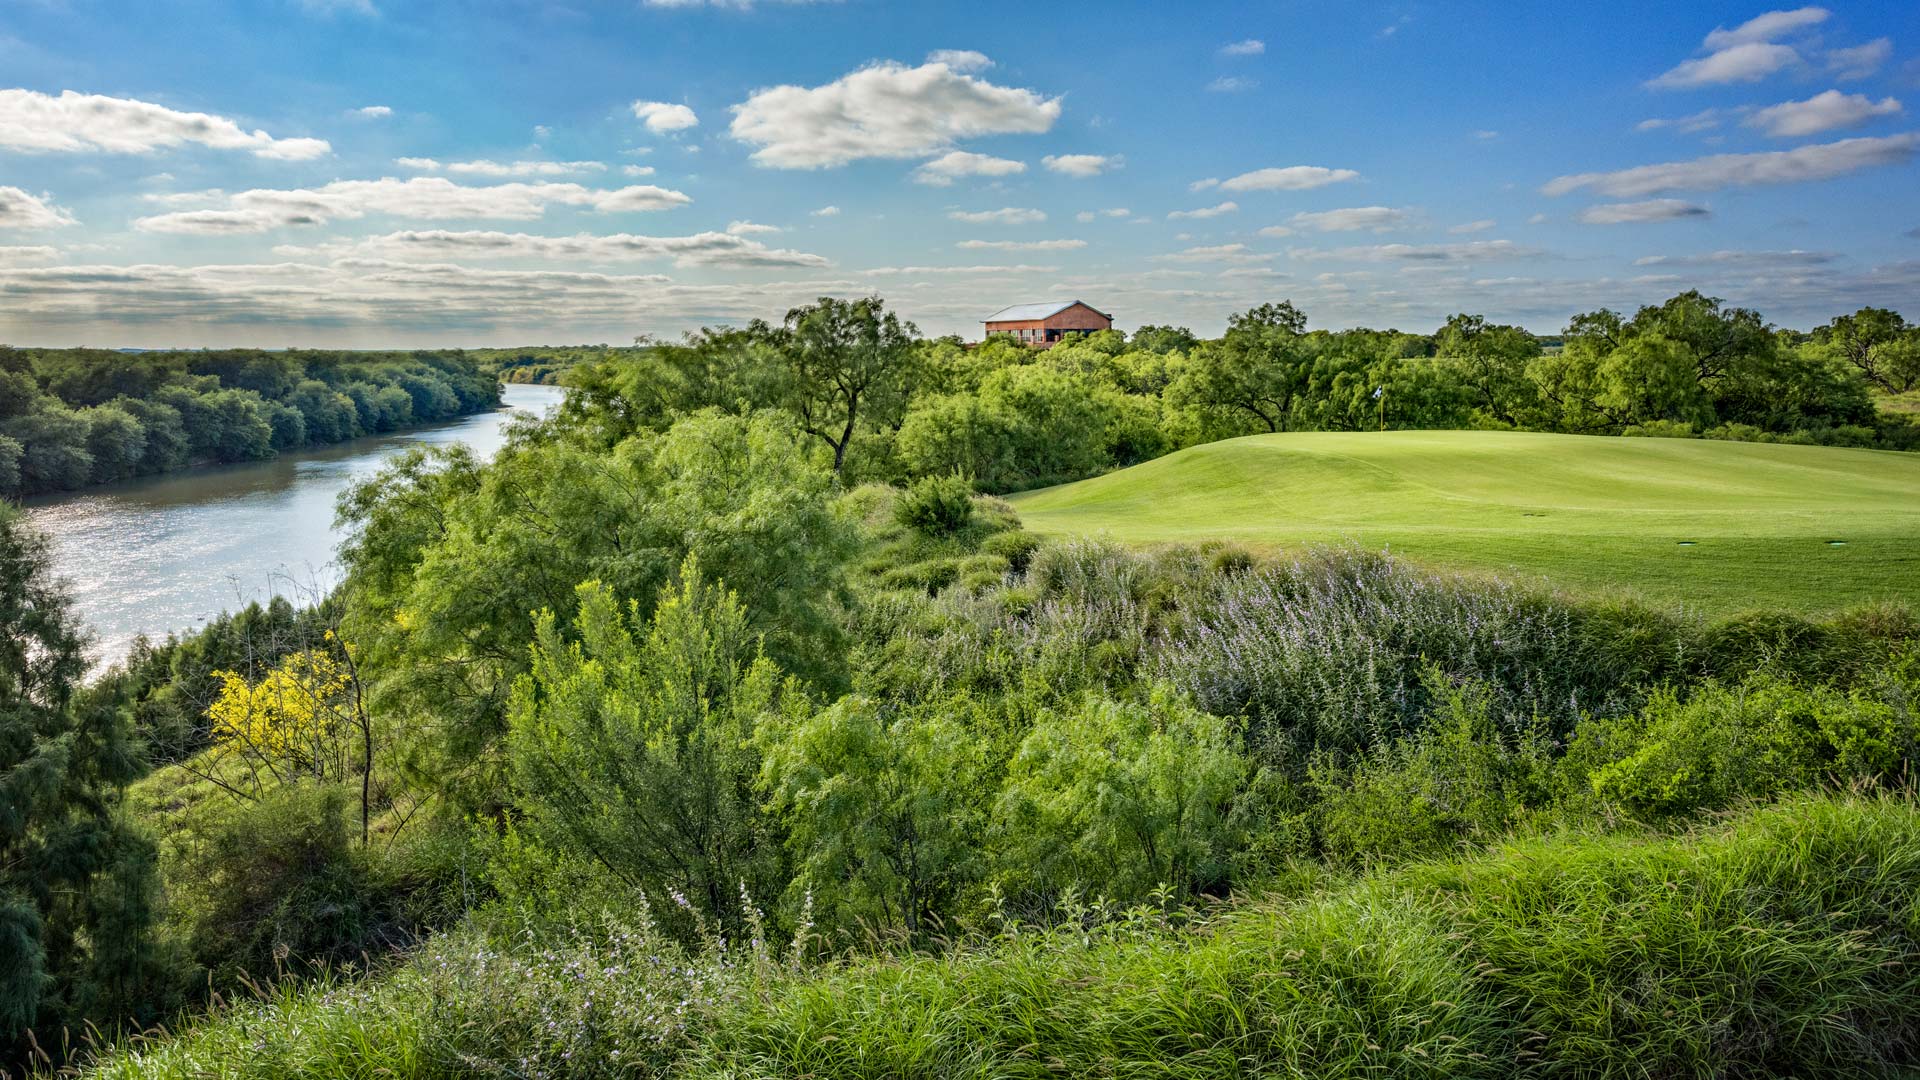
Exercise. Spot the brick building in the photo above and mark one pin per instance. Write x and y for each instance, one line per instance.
(1041, 325)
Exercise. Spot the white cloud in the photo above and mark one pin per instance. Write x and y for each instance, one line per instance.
(1376, 218)
(1820, 161)
(960, 59)
(74, 123)
(1006, 215)
(1821, 112)
(663, 117)
(1291, 178)
(183, 198)
(1768, 27)
(1473, 227)
(887, 110)
(1472, 251)
(1231, 84)
(1859, 61)
(1484, 134)
(483, 167)
(330, 7)
(1229, 253)
(1020, 245)
(1763, 259)
(1080, 166)
(1538, 219)
(1640, 213)
(418, 164)
(422, 197)
(636, 170)
(1083, 216)
(727, 250)
(1750, 62)
(21, 256)
(1205, 211)
(1275, 231)
(1202, 185)
(1704, 120)
(374, 112)
(747, 228)
(826, 211)
(945, 169)
(1249, 47)
(24, 210)
(1019, 268)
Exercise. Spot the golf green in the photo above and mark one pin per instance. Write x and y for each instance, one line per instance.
(1719, 526)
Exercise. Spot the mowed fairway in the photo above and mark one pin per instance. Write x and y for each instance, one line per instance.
(1719, 526)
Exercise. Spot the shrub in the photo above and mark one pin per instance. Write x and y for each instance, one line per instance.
(1460, 781)
(258, 886)
(1014, 545)
(1662, 429)
(1327, 652)
(936, 505)
(1760, 739)
(1119, 799)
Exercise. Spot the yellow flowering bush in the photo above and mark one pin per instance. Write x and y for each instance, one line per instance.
(289, 714)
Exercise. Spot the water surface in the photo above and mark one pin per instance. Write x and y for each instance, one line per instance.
(173, 551)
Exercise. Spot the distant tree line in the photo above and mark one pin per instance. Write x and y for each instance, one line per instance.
(883, 404)
(544, 364)
(74, 417)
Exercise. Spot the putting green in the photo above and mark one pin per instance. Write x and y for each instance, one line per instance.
(1719, 526)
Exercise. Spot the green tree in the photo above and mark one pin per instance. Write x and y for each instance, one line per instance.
(1879, 344)
(447, 560)
(1256, 370)
(885, 814)
(846, 361)
(53, 441)
(1118, 798)
(116, 441)
(1491, 361)
(74, 878)
(634, 747)
(1026, 427)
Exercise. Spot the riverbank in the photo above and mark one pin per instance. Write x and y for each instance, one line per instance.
(167, 553)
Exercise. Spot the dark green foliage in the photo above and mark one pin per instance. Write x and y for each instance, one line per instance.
(635, 746)
(84, 416)
(257, 884)
(1763, 738)
(448, 563)
(936, 505)
(72, 872)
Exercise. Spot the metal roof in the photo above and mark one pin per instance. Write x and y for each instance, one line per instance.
(1024, 312)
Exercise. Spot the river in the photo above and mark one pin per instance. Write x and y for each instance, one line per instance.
(170, 552)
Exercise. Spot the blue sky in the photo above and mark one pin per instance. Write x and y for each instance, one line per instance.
(384, 172)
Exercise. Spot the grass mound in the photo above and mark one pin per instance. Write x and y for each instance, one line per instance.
(1722, 525)
(1784, 943)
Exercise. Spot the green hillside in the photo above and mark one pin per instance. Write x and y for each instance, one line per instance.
(1719, 525)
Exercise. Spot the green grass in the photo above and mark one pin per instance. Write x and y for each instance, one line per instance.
(1720, 526)
(1782, 943)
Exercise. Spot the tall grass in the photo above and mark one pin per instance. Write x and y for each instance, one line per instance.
(1783, 943)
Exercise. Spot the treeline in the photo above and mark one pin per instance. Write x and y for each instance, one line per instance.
(74, 417)
(883, 404)
(544, 364)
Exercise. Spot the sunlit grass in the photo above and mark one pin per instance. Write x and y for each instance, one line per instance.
(1781, 944)
(1719, 526)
